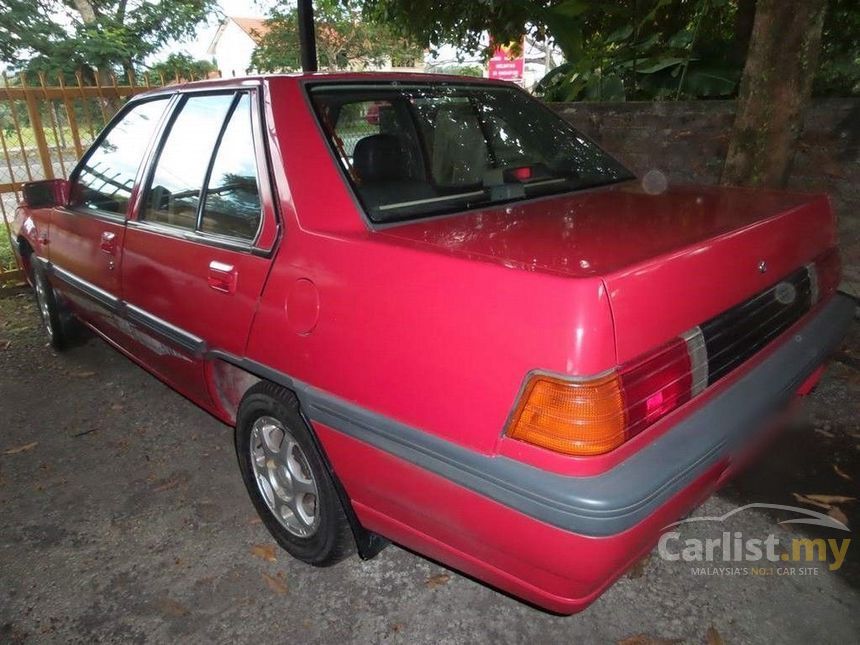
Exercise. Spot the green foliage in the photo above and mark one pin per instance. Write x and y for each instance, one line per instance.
(344, 39)
(62, 36)
(839, 61)
(460, 70)
(181, 66)
(628, 49)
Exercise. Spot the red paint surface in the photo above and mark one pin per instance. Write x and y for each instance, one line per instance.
(436, 324)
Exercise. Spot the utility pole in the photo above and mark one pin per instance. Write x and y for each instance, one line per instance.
(307, 38)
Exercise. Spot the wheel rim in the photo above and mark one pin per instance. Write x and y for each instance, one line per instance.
(44, 307)
(284, 477)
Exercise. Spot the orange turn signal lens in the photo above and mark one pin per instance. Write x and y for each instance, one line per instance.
(571, 417)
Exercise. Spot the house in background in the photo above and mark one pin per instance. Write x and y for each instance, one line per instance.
(233, 44)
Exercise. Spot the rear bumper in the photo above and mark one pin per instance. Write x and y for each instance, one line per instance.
(552, 539)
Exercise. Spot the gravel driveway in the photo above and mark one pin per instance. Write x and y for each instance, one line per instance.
(124, 519)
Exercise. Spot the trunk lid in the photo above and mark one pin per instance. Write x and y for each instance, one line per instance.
(669, 261)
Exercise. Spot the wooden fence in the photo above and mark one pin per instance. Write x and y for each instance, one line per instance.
(46, 124)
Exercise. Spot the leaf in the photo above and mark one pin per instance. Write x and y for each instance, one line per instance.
(551, 76)
(638, 569)
(841, 473)
(24, 448)
(620, 34)
(712, 636)
(84, 374)
(681, 39)
(831, 499)
(806, 500)
(837, 514)
(643, 639)
(437, 581)
(276, 584)
(264, 552)
(651, 65)
(172, 607)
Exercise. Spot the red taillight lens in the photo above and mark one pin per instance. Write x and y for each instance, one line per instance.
(656, 385)
(594, 416)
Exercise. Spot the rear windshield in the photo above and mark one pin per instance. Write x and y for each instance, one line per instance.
(417, 150)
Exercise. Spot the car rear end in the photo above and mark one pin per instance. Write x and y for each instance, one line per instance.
(664, 333)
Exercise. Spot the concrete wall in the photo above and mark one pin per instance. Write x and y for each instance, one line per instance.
(688, 142)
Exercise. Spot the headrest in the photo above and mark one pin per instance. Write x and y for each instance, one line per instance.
(379, 157)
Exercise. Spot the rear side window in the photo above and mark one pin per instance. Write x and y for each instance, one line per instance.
(106, 177)
(174, 194)
(205, 177)
(232, 202)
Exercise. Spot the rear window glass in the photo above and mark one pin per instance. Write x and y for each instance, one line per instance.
(413, 151)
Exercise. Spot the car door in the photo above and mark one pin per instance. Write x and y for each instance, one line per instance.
(193, 265)
(84, 244)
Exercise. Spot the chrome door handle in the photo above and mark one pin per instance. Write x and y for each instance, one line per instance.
(222, 277)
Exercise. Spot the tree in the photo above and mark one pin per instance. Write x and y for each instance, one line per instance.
(344, 39)
(105, 35)
(776, 85)
(183, 67)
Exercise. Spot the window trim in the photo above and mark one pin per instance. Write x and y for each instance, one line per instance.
(119, 218)
(264, 185)
(308, 86)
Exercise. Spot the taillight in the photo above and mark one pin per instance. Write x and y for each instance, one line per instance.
(656, 385)
(594, 416)
(571, 417)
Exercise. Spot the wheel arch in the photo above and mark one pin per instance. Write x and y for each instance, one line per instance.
(231, 378)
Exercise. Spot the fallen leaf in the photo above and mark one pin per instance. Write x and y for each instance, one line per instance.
(4, 344)
(643, 639)
(116, 406)
(638, 569)
(255, 520)
(84, 374)
(837, 514)
(438, 580)
(170, 483)
(172, 607)
(713, 636)
(276, 584)
(811, 502)
(824, 433)
(841, 472)
(24, 448)
(830, 499)
(264, 552)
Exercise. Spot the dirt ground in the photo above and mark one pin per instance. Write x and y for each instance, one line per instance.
(124, 519)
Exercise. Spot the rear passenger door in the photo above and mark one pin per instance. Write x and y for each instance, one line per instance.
(197, 253)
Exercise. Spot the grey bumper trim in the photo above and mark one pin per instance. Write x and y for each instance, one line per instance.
(613, 501)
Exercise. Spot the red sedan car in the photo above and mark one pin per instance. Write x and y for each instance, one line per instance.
(435, 313)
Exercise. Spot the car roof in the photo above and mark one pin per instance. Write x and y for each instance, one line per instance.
(333, 77)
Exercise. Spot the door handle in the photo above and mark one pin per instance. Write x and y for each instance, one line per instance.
(222, 277)
(108, 243)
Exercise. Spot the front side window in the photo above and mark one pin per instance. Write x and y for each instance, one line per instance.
(106, 177)
(205, 178)
(412, 151)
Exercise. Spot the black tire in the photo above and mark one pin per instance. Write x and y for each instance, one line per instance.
(53, 318)
(330, 539)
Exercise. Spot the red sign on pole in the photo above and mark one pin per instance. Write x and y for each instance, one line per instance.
(506, 67)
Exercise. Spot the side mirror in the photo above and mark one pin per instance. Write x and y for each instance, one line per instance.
(46, 193)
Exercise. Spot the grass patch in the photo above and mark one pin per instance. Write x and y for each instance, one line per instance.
(7, 259)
